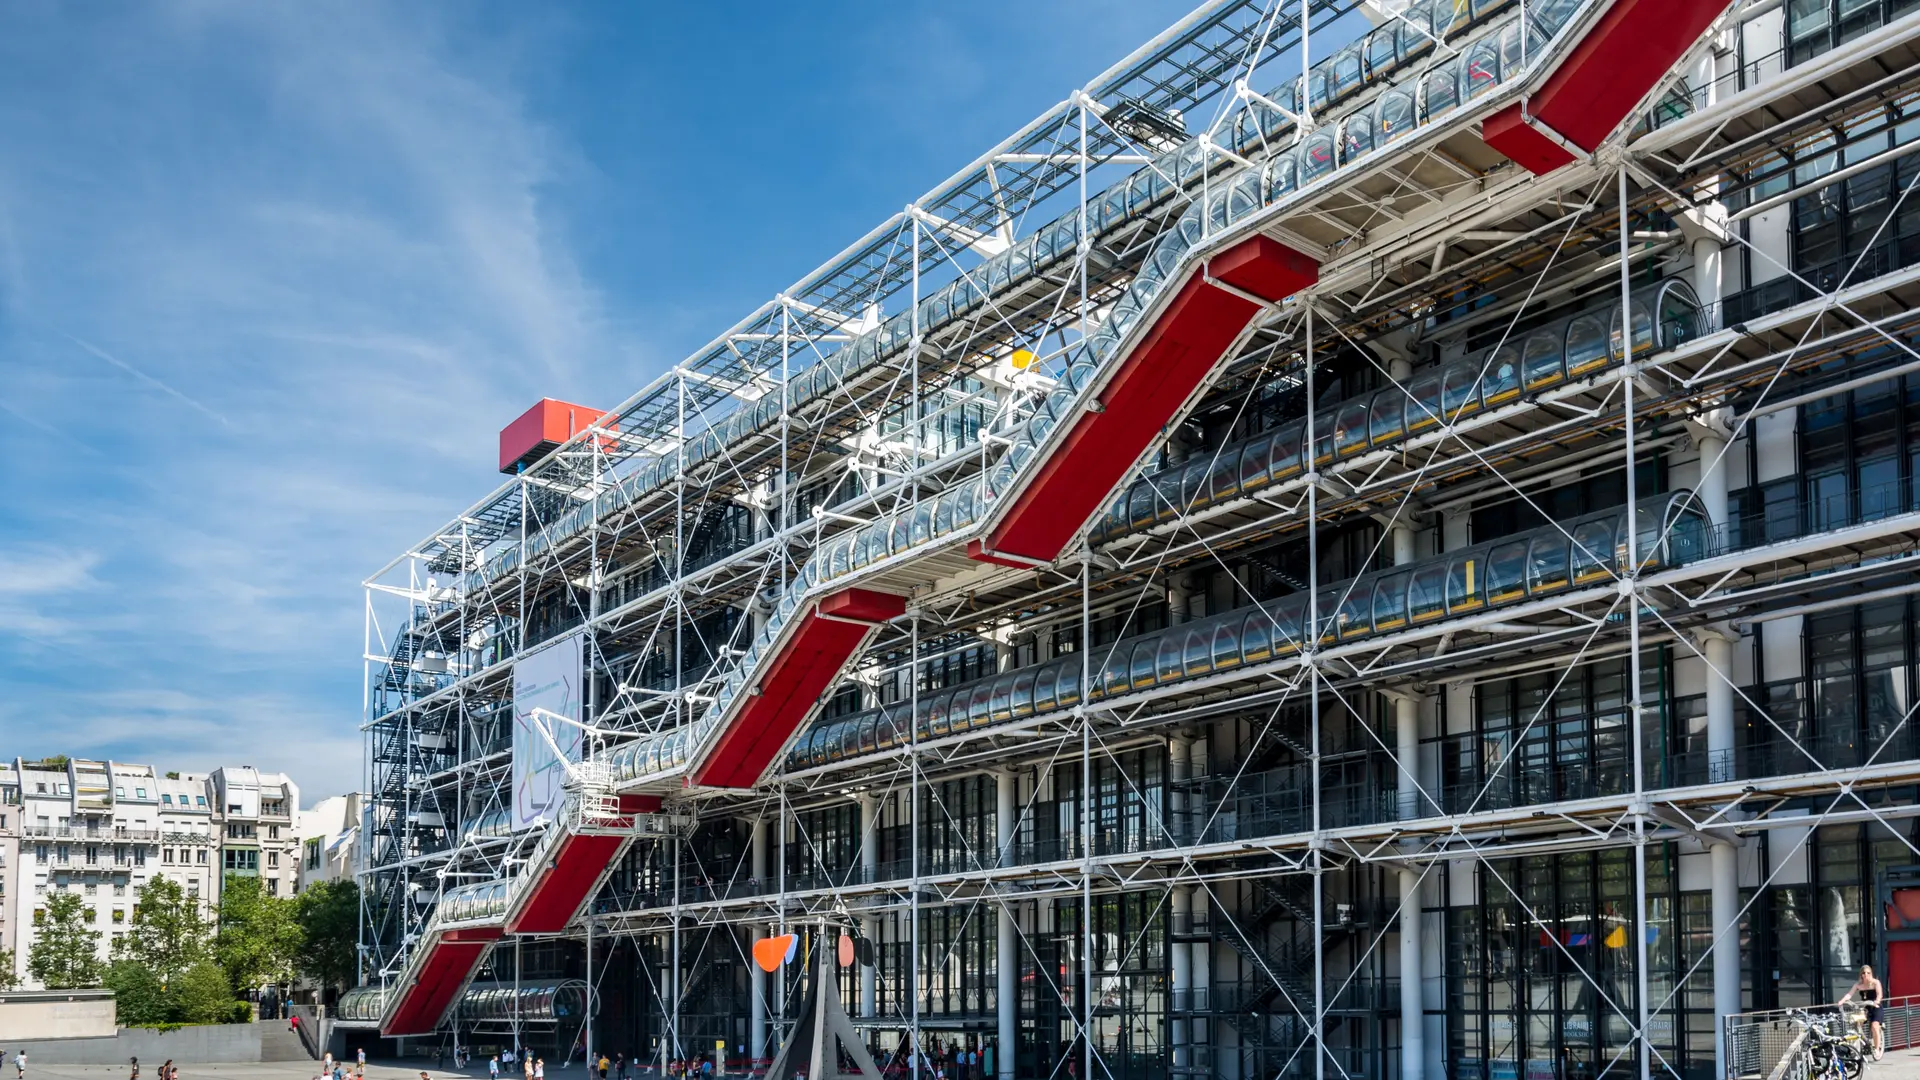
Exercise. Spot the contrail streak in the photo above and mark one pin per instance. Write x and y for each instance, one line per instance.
(142, 376)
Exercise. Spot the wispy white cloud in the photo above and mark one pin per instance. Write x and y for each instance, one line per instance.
(41, 589)
(366, 236)
(39, 572)
(325, 227)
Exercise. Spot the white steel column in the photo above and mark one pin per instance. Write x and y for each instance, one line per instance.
(1406, 723)
(869, 925)
(1725, 870)
(1182, 962)
(1006, 993)
(757, 981)
(1180, 953)
(1716, 646)
(589, 1020)
(1413, 1022)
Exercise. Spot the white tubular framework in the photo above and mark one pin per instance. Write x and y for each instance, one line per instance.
(1499, 665)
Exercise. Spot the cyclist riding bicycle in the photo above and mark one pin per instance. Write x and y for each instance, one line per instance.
(1868, 989)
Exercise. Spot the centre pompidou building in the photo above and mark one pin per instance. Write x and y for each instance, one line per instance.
(1371, 540)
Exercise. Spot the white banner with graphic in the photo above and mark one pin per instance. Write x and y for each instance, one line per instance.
(550, 679)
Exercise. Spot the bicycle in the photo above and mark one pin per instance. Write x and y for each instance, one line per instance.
(1834, 1048)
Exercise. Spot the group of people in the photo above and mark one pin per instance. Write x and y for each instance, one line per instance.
(531, 1068)
(940, 1062)
(330, 1069)
(168, 1070)
(683, 1068)
(19, 1063)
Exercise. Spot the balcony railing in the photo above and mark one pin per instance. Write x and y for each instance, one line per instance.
(1893, 251)
(86, 835)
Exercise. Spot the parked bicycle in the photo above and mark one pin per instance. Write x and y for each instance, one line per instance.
(1834, 1048)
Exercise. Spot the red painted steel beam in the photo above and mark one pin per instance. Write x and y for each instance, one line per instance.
(791, 682)
(448, 966)
(1150, 384)
(564, 884)
(1633, 46)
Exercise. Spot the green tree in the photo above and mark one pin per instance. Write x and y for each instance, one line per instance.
(202, 996)
(329, 917)
(8, 980)
(168, 933)
(258, 937)
(66, 947)
(139, 998)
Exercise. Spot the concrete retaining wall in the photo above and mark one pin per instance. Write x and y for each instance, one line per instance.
(55, 1014)
(202, 1044)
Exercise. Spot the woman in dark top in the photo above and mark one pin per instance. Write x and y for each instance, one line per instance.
(1868, 989)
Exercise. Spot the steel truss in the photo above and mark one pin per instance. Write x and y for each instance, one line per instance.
(663, 543)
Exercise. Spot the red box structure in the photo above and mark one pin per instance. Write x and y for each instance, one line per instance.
(540, 429)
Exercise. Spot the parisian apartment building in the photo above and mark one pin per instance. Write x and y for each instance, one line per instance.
(105, 829)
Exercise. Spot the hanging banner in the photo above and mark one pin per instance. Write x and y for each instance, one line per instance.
(550, 679)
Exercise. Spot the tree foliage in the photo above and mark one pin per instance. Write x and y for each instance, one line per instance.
(168, 933)
(8, 978)
(328, 913)
(202, 995)
(258, 937)
(65, 952)
(139, 998)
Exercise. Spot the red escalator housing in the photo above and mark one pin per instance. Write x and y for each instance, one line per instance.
(1633, 46)
(794, 679)
(571, 874)
(453, 956)
(1151, 382)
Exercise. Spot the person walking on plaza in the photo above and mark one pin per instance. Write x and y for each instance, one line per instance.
(526, 1065)
(360, 1058)
(539, 1069)
(493, 1067)
(603, 1066)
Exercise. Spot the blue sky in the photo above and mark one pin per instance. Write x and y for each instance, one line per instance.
(272, 276)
